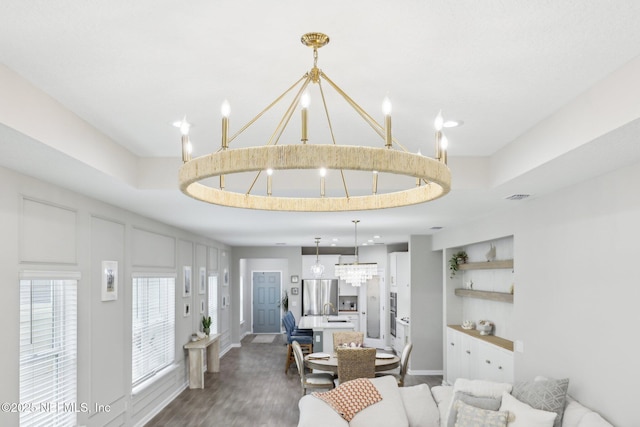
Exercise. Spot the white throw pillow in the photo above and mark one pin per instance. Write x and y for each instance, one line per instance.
(523, 415)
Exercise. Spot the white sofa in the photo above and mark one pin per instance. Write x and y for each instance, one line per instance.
(416, 406)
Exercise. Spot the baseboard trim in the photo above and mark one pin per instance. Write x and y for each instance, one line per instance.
(162, 405)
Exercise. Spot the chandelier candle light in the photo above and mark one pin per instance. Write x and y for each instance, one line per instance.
(432, 175)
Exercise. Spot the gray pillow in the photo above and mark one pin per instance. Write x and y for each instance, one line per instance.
(548, 395)
(470, 416)
(489, 403)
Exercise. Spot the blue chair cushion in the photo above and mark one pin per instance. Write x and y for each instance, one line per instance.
(302, 339)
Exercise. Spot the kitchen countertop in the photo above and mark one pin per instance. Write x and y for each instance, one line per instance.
(318, 323)
(500, 342)
(402, 322)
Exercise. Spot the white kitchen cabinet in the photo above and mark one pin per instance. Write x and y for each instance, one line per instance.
(402, 336)
(400, 283)
(474, 358)
(353, 318)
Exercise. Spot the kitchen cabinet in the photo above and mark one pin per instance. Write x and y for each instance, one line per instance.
(351, 318)
(402, 336)
(472, 356)
(399, 282)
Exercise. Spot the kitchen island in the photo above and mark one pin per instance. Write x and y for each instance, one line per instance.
(323, 328)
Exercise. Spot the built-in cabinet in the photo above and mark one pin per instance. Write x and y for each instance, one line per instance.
(481, 289)
(402, 336)
(474, 356)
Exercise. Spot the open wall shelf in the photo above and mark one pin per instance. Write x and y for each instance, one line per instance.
(488, 295)
(507, 263)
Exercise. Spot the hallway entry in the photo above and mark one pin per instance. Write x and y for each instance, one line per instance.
(266, 301)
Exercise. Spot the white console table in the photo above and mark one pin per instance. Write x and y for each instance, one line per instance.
(197, 349)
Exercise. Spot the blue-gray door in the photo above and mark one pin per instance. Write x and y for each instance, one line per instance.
(266, 302)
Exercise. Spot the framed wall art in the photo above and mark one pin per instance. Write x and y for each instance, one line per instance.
(202, 281)
(187, 309)
(109, 280)
(186, 281)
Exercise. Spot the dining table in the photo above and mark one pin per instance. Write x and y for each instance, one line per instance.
(329, 362)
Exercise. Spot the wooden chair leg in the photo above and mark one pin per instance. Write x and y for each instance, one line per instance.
(289, 358)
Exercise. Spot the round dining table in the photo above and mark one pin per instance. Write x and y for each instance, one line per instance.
(328, 362)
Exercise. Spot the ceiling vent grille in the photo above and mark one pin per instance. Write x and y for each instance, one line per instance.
(517, 196)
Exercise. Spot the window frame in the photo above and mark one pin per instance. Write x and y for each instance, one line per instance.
(140, 377)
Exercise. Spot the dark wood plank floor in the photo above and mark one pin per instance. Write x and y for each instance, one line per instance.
(250, 390)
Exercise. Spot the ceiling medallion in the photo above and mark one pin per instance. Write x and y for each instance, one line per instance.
(431, 176)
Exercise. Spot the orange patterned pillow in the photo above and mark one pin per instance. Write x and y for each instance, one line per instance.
(351, 397)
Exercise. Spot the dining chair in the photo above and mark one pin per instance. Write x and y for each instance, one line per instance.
(404, 365)
(297, 331)
(305, 341)
(347, 337)
(356, 363)
(310, 380)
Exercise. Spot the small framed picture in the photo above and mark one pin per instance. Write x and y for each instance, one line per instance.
(295, 279)
(294, 291)
(202, 306)
(203, 281)
(109, 280)
(186, 280)
(187, 309)
(225, 276)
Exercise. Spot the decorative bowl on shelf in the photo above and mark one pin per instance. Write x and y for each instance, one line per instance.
(485, 327)
(468, 324)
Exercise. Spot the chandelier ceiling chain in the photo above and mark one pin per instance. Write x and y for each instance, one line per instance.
(432, 177)
(317, 269)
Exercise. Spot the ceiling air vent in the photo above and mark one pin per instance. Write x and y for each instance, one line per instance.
(517, 196)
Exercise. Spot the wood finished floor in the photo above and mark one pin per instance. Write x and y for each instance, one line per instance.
(250, 390)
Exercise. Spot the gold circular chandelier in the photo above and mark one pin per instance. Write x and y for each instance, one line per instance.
(431, 176)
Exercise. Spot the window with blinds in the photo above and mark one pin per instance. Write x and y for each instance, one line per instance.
(153, 326)
(48, 352)
(213, 303)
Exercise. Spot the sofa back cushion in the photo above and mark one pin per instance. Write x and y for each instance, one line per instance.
(388, 412)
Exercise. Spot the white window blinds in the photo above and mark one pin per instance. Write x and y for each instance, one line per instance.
(213, 303)
(48, 352)
(153, 326)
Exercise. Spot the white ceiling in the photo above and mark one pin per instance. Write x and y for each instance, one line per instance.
(509, 69)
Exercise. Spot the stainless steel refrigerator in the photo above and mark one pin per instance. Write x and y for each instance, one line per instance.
(316, 293)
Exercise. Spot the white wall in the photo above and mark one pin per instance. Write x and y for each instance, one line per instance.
(44, 227)
(575, 294)
(426, 307)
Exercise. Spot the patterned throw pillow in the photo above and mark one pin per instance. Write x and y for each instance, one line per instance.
(470, 416)
(547, 395)
(351, 397)
(489, 403)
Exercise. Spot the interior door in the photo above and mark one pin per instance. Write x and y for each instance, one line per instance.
(373, 312)
(266, 301)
